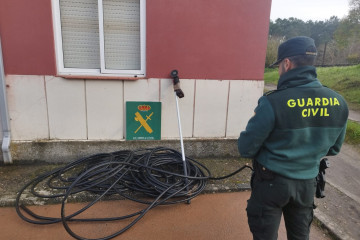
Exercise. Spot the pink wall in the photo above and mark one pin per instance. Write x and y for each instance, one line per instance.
(27, 37)
(203, 39)
(207, 39)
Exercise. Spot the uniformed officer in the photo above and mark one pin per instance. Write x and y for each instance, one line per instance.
(292, 129)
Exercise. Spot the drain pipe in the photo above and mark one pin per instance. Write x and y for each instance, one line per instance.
(4, 114)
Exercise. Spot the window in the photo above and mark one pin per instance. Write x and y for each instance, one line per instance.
(100, 37)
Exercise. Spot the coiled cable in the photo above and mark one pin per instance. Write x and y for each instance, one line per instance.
(149, 176)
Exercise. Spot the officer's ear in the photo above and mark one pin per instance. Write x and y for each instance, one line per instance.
(288, 65)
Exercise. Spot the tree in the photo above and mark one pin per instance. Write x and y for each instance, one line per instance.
(288, 28)
(355, 8)
(350, 25)
(323, 32)
(347, 34)
(282, 29)
(271, 50)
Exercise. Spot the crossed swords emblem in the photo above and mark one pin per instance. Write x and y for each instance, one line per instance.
(143, 122)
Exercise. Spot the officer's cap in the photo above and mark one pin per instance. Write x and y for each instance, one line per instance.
(295, 46)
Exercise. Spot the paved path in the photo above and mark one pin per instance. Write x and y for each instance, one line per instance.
(207, 217)
(340, 209)
(355, 116)
(344, 172)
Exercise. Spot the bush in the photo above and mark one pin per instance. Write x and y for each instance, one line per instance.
(353, 58)
(271, 50)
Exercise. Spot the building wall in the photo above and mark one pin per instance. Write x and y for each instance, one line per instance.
(26, 30)
(217, 46)
(205, 39)
(48, 107)
(202, 39)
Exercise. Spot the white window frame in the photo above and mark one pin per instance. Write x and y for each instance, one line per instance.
(102, 72)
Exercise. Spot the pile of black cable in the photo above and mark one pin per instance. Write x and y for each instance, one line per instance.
(149, 176)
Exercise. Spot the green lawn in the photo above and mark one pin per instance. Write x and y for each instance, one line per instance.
(344, 80)
(353, 133)
(271, 76)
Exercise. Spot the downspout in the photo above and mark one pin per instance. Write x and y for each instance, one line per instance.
(4, 114)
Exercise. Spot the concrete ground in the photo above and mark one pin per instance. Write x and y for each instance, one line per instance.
(340, 209)
(208, 216)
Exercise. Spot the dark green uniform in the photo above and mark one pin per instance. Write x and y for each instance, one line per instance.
(292, 129)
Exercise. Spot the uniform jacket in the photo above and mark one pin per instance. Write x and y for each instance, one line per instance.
(295, 125)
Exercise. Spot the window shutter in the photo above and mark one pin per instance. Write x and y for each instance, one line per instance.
(121, 24)
(80, 33)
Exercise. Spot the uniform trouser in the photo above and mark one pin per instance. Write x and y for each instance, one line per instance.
(270, 198)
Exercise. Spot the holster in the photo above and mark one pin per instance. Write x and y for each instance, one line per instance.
(320, 185)
(260, 173)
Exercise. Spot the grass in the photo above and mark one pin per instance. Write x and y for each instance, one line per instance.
(344, 80)
(353, 133)
(271, 76)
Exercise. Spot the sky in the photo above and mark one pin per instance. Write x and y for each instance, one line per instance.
(316, 10)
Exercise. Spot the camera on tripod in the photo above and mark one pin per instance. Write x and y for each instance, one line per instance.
(320, 178)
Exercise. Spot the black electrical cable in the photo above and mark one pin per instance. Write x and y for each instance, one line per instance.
(140, 175)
